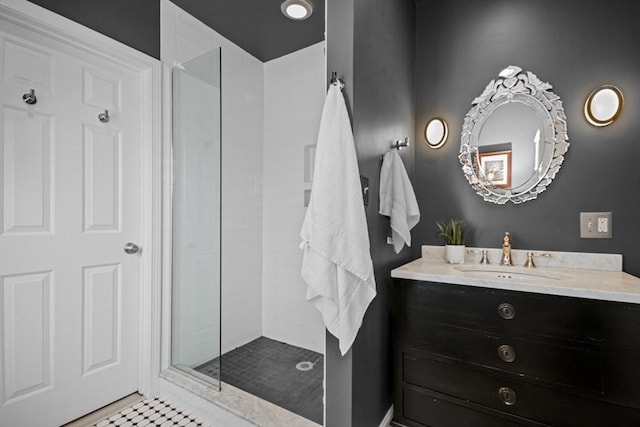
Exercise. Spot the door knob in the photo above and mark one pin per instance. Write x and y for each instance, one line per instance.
(131, 248)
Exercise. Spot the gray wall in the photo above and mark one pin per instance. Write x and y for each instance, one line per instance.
(133, 22)
(371, 44)
(339, 48)
(575, 45)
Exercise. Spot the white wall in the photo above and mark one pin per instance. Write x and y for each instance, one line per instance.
(294, 92)
(183, 38)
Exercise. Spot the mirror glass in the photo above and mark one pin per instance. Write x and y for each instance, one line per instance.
(513, 127)
(513, 138)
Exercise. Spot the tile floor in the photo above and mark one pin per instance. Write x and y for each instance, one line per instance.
(152, 413)
(267, 369)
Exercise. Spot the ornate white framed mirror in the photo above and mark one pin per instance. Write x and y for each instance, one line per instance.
(514, 138)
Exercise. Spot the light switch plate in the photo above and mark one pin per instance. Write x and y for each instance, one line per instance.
(596, 225)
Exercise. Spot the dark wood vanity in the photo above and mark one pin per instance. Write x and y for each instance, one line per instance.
(477, 356)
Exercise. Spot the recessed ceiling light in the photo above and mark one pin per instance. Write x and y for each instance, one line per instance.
(297, 10)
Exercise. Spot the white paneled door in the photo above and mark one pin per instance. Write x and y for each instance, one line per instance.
(70, 202)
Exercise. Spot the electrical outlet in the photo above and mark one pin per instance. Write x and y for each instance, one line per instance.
(603, 224)
(596, 225)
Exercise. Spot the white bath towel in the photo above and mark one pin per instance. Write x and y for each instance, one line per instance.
(397, 199)
(336, 262)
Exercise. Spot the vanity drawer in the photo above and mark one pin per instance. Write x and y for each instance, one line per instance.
(566, 366)
(503, 394)
(579, 319)
(427, 408)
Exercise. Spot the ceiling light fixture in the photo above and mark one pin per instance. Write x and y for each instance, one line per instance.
(298, 10)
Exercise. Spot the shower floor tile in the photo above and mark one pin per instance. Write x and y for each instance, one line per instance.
(267, 369)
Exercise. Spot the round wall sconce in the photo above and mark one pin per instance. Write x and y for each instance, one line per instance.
(603, 105)
(436, 133)
(298, 10)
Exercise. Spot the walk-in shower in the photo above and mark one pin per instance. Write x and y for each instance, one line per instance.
(241, 133)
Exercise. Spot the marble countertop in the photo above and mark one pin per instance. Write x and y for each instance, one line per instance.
(603, 284)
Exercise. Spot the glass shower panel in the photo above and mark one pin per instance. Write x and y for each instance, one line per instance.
(196, 203)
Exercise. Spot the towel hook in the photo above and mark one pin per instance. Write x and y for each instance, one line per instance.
(30, 98)
(104, 117)
(398, 144)
(335, 80)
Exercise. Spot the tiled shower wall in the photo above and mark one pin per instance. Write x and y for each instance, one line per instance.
(294, 90)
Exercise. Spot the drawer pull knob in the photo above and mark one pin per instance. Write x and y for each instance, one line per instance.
(507, 353)
(507, 396)
(507, 311)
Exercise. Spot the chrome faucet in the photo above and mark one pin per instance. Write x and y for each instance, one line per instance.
(506, 250)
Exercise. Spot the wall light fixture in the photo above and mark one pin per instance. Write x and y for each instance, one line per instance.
(436, 133)
(603, 106)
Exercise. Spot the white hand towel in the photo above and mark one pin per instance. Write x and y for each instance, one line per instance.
(397, 199)
(336, 262)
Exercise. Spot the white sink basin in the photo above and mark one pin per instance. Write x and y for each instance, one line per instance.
(506, 273)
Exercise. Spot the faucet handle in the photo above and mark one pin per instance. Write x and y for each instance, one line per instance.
(485, 258)
(530, 255)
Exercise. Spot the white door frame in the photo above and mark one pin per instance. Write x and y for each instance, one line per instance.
(43, 21)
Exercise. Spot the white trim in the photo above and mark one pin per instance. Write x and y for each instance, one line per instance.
(386, 421)
(56, 27)
(151, 202)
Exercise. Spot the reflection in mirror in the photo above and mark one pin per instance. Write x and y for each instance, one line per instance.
(436, 133)
(603, 106)
(513, 138)
(514, 127)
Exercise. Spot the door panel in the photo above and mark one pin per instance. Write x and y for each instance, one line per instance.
(26, 168)
(102, 90)
(103, 180)
(25, 63)
(101, 322)
(28, 356)
(70, 194)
